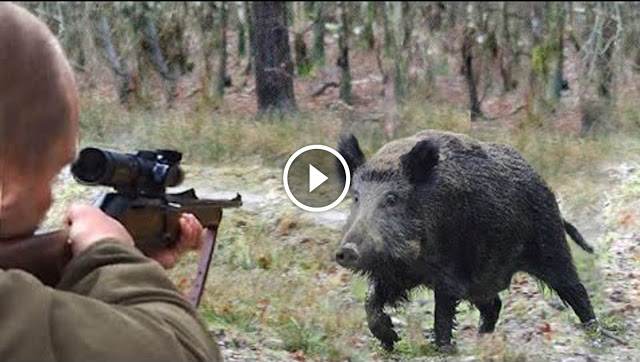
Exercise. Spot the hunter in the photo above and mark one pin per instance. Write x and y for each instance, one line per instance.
(112, 303)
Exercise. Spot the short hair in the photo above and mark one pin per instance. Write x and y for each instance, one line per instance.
(37, 89)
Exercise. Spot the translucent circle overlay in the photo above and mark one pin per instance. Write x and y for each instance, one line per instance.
(285, 178)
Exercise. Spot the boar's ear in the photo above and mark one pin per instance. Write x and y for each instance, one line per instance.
(349, 149)
(417, 163)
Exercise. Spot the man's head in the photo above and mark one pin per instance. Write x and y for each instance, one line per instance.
(38, 118)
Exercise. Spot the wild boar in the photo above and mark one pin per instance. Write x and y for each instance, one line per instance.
(458, 216)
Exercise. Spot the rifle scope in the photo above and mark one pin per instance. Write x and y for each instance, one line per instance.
(146, 172)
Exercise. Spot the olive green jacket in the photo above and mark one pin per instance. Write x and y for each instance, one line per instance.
(112, 304)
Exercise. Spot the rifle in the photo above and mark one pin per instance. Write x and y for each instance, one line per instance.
(140, 203)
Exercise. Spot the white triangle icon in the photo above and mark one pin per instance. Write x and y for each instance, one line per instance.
(316, 178)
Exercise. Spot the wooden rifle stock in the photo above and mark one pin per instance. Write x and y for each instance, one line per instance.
(43, 255)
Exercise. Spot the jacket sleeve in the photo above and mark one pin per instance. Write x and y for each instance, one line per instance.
(112, 304)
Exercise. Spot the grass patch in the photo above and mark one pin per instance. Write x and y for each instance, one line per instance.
(359, 287)
(612, 322)
(413, 349)
(303, 336)
(238, 315)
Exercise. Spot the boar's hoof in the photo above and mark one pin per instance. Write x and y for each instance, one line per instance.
(487, 327)
(388, 345)
(382, 328)
(484, 329)
(448, 348)
(387, 337)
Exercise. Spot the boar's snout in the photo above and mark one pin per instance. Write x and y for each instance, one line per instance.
(347, 256)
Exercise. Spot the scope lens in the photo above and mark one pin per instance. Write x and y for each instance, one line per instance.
(90, 166)
(175, 176)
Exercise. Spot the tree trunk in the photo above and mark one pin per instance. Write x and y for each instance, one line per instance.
(241, 29)
(604, 63)
(221, 80)
(206, 21)
(251, 28)
(467, 60)
(537, 74)
(343, 58)
(505, 56)
(546, 78)
(480, 12)
(389, 36)
(556, 45)
(634, 12)
(597, 102)
(72, 39)
(151, 46)
(119, 67)
(370, 16)
(88, 45)
(401, 65)
(452, 14)
(303, 63)
(434, 18)
(407, 24)
(171, 32)
(318, 33)
(426, 59)
(274, 69)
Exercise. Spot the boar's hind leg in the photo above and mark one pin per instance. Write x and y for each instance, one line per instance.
(489, 312)
(444, 317)
(576, 296)
(565, 281)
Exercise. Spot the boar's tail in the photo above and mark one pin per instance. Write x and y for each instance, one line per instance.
(575, 235)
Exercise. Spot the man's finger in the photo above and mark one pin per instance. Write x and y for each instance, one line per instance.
(191, 228)
(185, 234)
(167, 258)
(71, 213)
(77, 209)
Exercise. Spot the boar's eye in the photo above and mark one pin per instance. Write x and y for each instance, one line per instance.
(356, 196)
(390, 199)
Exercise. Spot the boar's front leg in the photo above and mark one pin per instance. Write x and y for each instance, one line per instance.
(489, 313)
(444, 319)
(379, 322)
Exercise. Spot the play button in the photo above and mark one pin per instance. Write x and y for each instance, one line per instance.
(316, 178)
(312, 180)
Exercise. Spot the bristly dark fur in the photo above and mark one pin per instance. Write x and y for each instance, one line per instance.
(392, 280)
(372, 175)
(417, 164)
(458, 216)
(349, 148)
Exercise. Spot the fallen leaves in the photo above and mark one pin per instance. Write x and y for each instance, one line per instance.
(298, 356)
(627, 218)
(546, 331)
(264, 262)
(285, 225)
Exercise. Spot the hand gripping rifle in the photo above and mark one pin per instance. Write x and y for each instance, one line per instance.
(140, 203)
